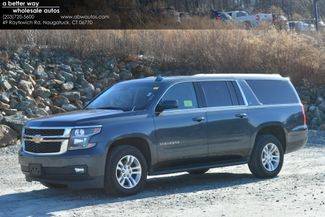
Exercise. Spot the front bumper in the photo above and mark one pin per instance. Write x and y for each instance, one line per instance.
(60, 169)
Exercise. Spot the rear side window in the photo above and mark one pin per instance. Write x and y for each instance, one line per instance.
(216, 93)
(273, 91)
(184, 94)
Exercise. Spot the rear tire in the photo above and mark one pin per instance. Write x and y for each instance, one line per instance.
(198, 172)
(126, 171)
(267, 157)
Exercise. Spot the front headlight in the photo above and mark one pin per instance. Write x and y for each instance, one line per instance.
(80, 137)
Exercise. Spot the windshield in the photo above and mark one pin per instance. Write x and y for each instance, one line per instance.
(124, 96)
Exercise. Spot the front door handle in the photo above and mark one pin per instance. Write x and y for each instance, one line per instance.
(241, 115)
(199, 119)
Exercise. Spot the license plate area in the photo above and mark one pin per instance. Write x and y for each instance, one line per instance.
(35, 170)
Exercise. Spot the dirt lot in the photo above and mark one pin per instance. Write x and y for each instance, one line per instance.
(233, 191)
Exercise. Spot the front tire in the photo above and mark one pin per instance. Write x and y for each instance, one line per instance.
(267, 157)
(126, 171)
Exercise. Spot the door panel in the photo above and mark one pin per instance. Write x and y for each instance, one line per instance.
(181, 134)
(228, 132)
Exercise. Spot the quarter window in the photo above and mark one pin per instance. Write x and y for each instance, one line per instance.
(184, 94)
(273, 91)
(216, 93)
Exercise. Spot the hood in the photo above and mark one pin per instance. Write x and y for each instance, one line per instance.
(76, 118)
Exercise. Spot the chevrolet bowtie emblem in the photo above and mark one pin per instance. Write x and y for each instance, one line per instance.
(37, 139)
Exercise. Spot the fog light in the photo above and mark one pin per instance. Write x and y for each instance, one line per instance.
(80, 170)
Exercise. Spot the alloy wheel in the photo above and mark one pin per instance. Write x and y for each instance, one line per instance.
(128, 171)
(270, 157)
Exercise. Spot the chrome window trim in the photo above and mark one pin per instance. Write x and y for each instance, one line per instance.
(242, 93)
(225, 108)
(192, 81)
(253, 92)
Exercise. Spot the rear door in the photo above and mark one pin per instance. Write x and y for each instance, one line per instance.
(228, 127)
(181, 133)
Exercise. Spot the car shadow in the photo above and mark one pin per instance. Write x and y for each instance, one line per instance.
(43, 202)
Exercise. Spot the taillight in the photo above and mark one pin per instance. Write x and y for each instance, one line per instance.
(304, 114)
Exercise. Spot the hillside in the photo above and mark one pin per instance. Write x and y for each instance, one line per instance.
(48, 72)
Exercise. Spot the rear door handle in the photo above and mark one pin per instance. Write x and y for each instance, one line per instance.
(241, 115)
(199, 119)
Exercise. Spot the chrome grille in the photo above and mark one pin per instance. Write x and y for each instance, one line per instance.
(45, 141)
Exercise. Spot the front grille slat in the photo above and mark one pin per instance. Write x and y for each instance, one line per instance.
(43, 132)
(43, 147)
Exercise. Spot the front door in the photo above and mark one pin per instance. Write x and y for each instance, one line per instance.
(181, 132)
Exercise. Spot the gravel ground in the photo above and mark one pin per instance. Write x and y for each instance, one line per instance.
(299, 190)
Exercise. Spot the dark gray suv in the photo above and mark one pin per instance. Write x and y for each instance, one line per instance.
(160, 125)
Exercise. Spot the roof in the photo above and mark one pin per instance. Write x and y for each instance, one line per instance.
(207, 77)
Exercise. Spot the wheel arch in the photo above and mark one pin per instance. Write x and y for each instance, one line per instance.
(276, 129)
(138, 141)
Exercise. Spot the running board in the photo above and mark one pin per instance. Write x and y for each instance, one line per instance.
(196, 167)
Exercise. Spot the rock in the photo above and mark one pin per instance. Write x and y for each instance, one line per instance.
(61, 100)
(72, 96)
(66, 76)
(27, 86)
(40, 73)
(125, 75)
(7, 136)
(27, 67)
(4, 97)
(319, 100)
(69, 107)
(28, 103)
(312, 108)
(322, 127)
(10, 111)
(42, 92)
(315, 122)
(16, 121)
(322, 106)
(67, 86)
(40, 112)
(64, 67)
(4, 83)
(56, 109)
(4, 106)
(1, 117)
(79, 104)
(88, 90)
(111, 63)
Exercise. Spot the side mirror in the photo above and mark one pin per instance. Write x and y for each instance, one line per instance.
(167, 104)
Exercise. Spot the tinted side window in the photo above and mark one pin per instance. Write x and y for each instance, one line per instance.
(216, 93)
(184, 94)
(273, 91)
